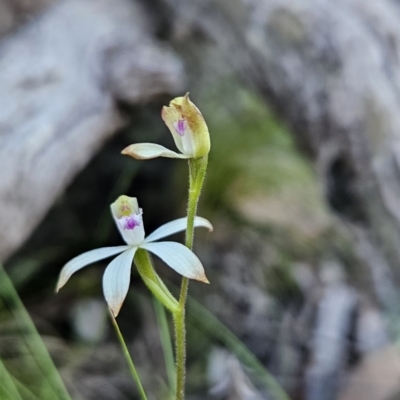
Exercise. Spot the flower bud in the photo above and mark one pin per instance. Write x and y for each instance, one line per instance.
(187, 126)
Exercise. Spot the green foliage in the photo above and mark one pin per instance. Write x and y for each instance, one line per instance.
(248, 143)
(26, 369)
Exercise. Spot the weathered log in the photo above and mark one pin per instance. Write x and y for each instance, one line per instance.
(61, 76)
(17, 12)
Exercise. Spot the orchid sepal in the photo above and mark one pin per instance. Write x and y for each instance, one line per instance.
(175, 226)
(116, 280)
(86, 259)
(179, 258)
(148, 151)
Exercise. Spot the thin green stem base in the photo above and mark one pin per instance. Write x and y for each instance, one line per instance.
(197, 173)
(128, 358)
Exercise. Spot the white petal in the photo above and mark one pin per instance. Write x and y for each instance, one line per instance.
(147, 151)
(116, 280)
(188, 143)
(85, 259)
(175, 226)
(179, 258)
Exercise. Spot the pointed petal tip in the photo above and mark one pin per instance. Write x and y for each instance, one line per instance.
(125, 150)
(114, 310)
(200, 222)
(134, 152)
(131, 152)
(203, 279)
(60, 284)
(205, 223)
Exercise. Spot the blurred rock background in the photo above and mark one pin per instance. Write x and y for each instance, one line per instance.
(301, 98)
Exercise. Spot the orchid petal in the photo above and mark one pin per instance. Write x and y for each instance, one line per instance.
(147, 151)
(85, 259)
(116, 280)
(175, 226)
(179, 258)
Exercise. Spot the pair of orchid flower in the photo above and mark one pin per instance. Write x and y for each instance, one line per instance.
(191, 137)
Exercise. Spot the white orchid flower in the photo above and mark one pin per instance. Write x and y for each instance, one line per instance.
(116, 279)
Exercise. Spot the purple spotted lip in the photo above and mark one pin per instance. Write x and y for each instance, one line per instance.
(130, 223)
(180, 128)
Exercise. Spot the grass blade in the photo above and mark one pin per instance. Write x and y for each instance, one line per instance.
(35, 369)
(166, 343)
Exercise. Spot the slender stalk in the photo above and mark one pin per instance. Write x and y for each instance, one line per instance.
(165, 337)
(128, 358)
(197, 172)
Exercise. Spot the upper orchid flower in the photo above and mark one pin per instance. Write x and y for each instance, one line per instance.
(128, 217)
(188, 129)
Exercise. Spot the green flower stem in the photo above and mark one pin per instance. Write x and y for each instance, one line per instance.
(153, 282)
(197, 173)
(128, 358)
(144, 264)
